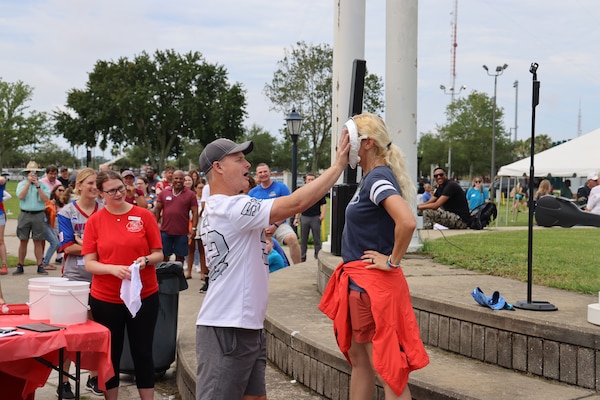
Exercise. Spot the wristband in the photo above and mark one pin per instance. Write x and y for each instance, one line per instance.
(389, 263)
(37, 186)
(147, 261)
(276, 225)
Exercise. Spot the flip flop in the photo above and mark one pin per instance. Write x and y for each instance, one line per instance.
(479, 297)
(497, 302)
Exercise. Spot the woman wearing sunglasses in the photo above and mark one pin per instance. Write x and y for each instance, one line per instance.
(477, 194)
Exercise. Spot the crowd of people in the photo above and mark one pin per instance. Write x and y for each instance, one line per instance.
(452, 207)
(108, 226)
(160, 219)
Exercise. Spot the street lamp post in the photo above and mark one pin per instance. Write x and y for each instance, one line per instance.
(499, 70)
(452, 93)
(294, 124)
(516, 86)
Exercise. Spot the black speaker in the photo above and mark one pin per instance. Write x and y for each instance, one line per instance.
(340, 197)
(357, 90)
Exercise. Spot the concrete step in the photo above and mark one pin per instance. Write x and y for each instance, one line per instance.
(301, 343)
(451, 376)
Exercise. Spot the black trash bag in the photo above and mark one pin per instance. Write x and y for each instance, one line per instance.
(169, 268)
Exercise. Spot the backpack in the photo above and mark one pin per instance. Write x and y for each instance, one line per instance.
(483, 215)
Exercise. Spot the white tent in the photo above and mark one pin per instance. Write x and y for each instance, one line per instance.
(575, 158)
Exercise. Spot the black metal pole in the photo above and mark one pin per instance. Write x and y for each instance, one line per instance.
(493, 169)
(294, 162)
(294, 173)
(529, 304)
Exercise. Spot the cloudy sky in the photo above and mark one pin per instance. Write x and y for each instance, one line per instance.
(52, 45)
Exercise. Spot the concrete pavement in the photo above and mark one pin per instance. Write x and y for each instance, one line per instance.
(15, 291)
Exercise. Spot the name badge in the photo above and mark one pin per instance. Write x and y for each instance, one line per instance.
(169, 198)
(133, 218)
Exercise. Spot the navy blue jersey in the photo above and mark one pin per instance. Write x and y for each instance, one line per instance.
(368, 225)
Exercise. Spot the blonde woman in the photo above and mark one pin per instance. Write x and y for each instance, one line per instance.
(368, 292)
(544, 188)
(72, 219)
(519, 202)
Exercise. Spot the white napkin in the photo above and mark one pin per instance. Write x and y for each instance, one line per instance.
(439, 227)
(131, 289)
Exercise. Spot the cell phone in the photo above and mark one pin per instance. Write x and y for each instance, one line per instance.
(7, 329)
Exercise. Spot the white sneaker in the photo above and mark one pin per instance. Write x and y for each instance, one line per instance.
(197, 267)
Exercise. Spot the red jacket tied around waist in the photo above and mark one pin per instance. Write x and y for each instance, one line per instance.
(393, 314)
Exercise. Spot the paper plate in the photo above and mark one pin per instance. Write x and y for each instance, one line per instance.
(353, 157)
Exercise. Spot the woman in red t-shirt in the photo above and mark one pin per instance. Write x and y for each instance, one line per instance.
(115, 237)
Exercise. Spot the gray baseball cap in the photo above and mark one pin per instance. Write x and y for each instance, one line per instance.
(217, 149)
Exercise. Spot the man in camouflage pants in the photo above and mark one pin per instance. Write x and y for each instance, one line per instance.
(448, 205)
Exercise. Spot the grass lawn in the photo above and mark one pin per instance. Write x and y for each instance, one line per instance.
(12, 210)
(563, 258)
(12, 205)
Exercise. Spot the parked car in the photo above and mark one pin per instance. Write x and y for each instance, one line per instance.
(13, 175)
(465, 184)
(508, 183)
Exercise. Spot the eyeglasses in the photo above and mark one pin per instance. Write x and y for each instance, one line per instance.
(438, 175)
(477, 181)
(112, 192)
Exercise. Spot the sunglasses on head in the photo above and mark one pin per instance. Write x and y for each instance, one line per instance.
(438, 175)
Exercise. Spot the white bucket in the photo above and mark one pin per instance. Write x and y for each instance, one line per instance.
(39, 297)
(69, 302)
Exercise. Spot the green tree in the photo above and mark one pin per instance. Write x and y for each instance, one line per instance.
(18, 127)
(303, 80)
(522, 148)
(266, 146)
(49, 153)
(154, 104)
(469, 131)
(431, 150)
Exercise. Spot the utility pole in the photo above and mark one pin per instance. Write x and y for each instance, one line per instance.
(516, 86)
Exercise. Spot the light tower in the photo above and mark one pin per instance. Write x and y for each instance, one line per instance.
(452, 89)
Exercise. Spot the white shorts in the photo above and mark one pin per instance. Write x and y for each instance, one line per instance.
(282, 232)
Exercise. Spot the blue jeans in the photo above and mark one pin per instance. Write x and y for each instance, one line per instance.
(53, 242)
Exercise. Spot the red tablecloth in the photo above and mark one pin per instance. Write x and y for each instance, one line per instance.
(17, 352)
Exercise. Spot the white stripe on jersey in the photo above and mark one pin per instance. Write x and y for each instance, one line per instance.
(378, 187)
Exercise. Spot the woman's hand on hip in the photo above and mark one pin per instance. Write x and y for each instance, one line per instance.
(376, 260)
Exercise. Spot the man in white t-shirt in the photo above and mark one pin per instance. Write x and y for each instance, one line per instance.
(230, 343)
(593, 200)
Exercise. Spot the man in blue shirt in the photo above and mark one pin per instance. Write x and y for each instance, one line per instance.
(280, 230)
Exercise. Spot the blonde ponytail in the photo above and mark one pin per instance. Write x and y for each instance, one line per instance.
(374, 127)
